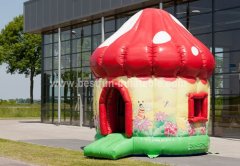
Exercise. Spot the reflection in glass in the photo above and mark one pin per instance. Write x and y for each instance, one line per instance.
(76, 45)
(120, 21)
(86, 73)
(48, 63)
(223, 4)
(47, 50)
(97, 28)
(228, 62)
(200, 23)
(227, 107)
(200, 6)
(86, 30)
(86, 44)
(76, 60)
(65, 35)
(205, 39)
(65, 62)
(47, 38)
(65, 47)
(96, 41)
(228, 40)
(227, 19)
(55, 51)
(109, 25)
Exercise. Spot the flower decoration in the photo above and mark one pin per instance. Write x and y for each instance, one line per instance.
(170, 129)
(160, 118)
(191, 129)
(203, 130)
(141, 124)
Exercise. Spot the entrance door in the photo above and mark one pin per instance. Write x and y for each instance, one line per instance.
(115, 109)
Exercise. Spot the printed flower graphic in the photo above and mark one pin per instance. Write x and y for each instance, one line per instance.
(191, 129)
(170, 129)
(203, 130)
(141, 124)
(160, 118)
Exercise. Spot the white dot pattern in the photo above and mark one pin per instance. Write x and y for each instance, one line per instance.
(195, 51)
(126, 27)
(161, 37)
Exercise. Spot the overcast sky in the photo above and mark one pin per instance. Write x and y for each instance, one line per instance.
(16, 85)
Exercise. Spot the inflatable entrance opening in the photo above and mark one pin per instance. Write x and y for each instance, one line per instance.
(115, 110)
(151, 93)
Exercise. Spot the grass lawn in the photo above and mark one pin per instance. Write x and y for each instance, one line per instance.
(19, 110)
(42, 155)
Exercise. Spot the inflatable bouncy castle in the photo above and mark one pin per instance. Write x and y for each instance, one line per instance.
(151, 94)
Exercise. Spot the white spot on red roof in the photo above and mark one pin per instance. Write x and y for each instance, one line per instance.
(161, 37)
(194, 50)
(127, 26)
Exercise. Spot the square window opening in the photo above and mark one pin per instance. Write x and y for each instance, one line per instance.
(198, 107)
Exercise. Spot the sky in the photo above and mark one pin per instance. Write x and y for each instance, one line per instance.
(16, 85)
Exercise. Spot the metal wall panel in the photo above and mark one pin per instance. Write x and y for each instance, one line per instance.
(42, 14)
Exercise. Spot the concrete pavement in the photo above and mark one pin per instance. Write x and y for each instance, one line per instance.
(222, 152)
(10, 162)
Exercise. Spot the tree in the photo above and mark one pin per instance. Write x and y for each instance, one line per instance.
(21, 51)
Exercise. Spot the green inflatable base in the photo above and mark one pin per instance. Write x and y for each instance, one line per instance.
(116, 145)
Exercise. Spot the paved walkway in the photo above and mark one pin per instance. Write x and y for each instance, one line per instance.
(10, 162)
(223, 151)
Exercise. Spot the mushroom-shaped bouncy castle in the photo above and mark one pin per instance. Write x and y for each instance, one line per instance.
(151, 94)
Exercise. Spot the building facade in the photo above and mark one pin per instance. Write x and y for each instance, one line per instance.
(85, 24)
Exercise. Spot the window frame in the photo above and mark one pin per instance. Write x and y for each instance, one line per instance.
(203, 117)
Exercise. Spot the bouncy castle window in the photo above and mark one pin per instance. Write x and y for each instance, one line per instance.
(198, 107)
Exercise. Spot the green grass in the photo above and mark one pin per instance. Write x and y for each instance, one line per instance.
(19, 110)
(42, 155)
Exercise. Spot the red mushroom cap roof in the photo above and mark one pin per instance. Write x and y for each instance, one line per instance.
(152, 43)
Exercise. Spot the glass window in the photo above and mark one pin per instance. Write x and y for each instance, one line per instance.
(86, 44)
(181, 10)
(47, 77)
(227, 110)
(86, 30)
(228, 40)
(47, 38)
(120, 21)
(228, 62)
(65, 35)
(110, 25)
(65, 47)
(201, 23)
(76, 45)
(85, 58)
(169, 7)
(55, 51)
(77, 32)
(205, 39)
(47, 50)
(77, 73)
(97, 28)
(97, 40)
(76, 60)
(48, 63)
(184, 22)
(55, 36)
(86, 73)
(55, 63)
(201, 6)
(65, 61)
(227, 19)
(222, 4)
